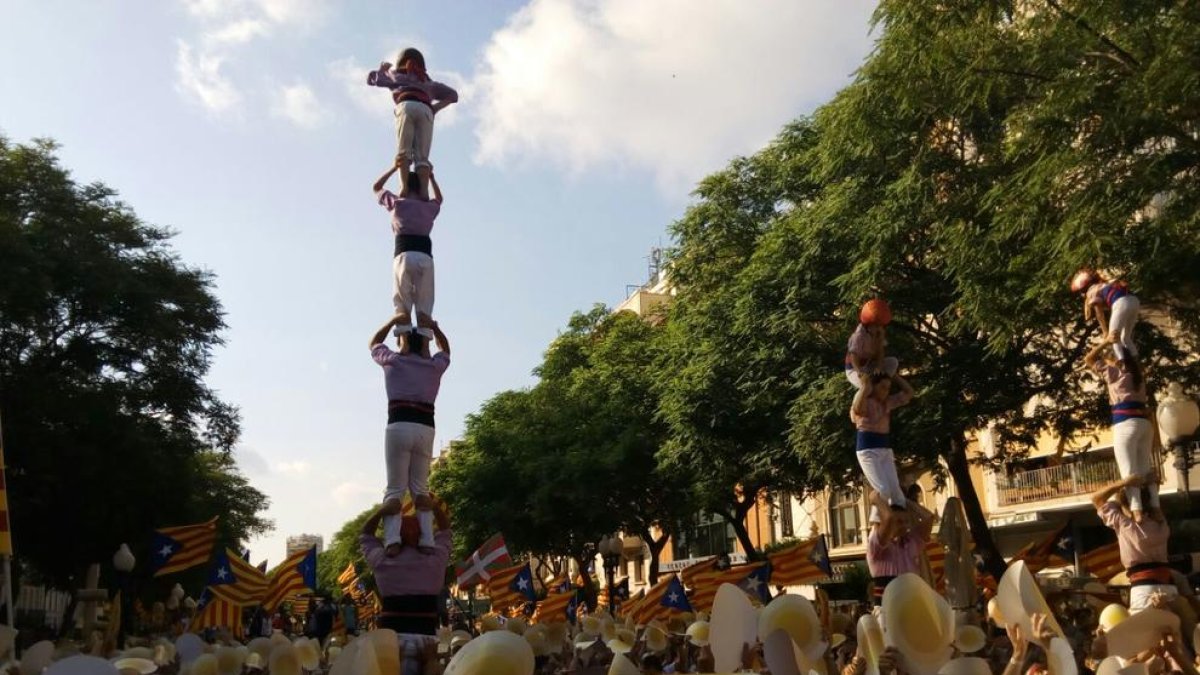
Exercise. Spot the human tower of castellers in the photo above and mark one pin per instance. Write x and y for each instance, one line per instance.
(908, 629)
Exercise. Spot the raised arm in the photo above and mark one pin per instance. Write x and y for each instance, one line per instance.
(860, 399)
(442, 96)
(442, 342)
(904, 385)
(381, 334)
(383, 179)
(437, 189)
(1099, 497)
(389, 508)
(1092, 357)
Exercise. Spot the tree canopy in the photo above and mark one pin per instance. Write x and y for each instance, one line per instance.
(105, 339)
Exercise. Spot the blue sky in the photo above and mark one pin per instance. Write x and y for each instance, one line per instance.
(245, 126)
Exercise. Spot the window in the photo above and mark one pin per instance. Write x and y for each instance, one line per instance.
(787, 529)
(639, 571)
(845, 518)
(706, 535)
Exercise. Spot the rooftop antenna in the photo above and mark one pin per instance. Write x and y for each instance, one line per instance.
(656, 255)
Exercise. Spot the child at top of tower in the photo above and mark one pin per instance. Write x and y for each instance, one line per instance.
(865, 348)
(418, 98)
(1113, 297)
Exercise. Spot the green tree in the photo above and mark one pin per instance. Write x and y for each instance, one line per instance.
(343, 550)
(105, 338)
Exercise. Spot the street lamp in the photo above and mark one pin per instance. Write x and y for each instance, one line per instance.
(1178, 421)
(123, 562)
(610, 549)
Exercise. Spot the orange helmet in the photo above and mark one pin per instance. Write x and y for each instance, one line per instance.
(875, 311)
(1082, 280)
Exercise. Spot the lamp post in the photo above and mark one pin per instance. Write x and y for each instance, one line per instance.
(123, 562)
(610, 549)
(1178, 421)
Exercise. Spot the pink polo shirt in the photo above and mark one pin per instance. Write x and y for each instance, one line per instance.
(1140, 543)
(898, 557)
(1121, 386)
(411, 572)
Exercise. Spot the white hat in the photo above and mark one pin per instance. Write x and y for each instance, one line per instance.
(797, 616)
(591, 626)
(919, 623)
(656, 639)
(495, 653)
(517, 624)
(489, 622)
(697, 633)
(82, 665)
(536, 637)
(993, 612)
(781, 655)
(1060, 660)
(621, 665)
(1140, 632)
(870, 642)
(1112, 615)
(260, 646)
(969, 639)
(188, 646)
(1109, 666)
(284, 661)
(836, 640)
(734, 623)
(231, 659)
(1019, 598)
(206, 664)
(135, 664)
(966, 665)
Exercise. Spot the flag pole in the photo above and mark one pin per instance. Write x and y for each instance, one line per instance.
(6, 548)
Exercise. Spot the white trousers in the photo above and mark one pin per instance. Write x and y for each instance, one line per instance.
(1122, 317)
(879, 468)
(412, 286)
(1131, 448)
(414, 132)
(890, 365)
(1140, 596)
(408, 451)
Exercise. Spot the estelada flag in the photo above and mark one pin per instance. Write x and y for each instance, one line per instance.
(478, 568)
(510, 586)
(705, 584)
(213, 612)
(179, 548)
(935, 556)
(348, 575)
(666, 597)
(803, 563)
(688, 574)
(234, 580)
(554, 608)
(297, 574)
(1103, 562)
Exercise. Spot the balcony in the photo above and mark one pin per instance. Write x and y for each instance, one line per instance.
(1090, 472)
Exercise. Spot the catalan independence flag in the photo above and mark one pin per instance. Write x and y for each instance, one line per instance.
(213, 612)
(688, 574)
(179, 548)
(1103, 562)
(297, 574)
(665, 597)
(234, 580)
(803, 563)
(705, 584)
(511, 585)
(555, 607)
(348, 576)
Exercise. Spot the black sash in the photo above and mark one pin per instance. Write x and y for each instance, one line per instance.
(415, 614)
(413, 242)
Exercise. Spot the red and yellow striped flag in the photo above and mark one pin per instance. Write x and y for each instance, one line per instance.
(297, 574)
(348, 576)
(554, 608)
(935, 556)
(500, 587)
(803, 563)
(704, 589)
(214, 612)
(179, 548)
(1103, 562)
(688, 574)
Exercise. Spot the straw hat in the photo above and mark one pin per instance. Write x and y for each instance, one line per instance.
(1060, 660)
(136, 665)
(697, 633)
(364, 661)
(781, 655)
(307, 653)
(386, 646)
(489, 622)
(584, 641)
(1019, 598)
(796, 616)
(919, 623)
(608, 630)
(1109, 666)
(734, 623)
(284, 661)
(870, 642)
(1112, 615)
(517, 624)
(840, 623)
(536, 637)
(621, 665)
(230, 659)
(966, 665)
(993, 612)
(969, 639)
(619, 646)
(254, 661)
(262, 647)
(206, 664)
(494, 653)
(556, 634)
(1140, 631)
(137, 653)
(82, 665)
(836, 640)
(37, 658)
(1119, 579)
(591, 626)
(345, 661)
(459, 638)
(656, 639)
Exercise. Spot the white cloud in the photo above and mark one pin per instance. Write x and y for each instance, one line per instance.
(675, 87)
(352, 77)
(290, 12)
(250, 461)
(353, 493)
(237, 32)
(200, 78)
(296, 468)
(299, 105)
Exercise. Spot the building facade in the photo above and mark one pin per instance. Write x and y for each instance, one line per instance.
(303, 542)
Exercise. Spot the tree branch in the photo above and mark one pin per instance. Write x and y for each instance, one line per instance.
(1127, 58)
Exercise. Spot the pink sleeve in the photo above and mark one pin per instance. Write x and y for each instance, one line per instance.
(442, 360)
(1112, 515)
(372, 549)
(386, 199)
(382, 355)
(441, 92)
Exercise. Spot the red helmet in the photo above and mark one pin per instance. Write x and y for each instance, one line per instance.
(1082, 280)
(875, 311)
